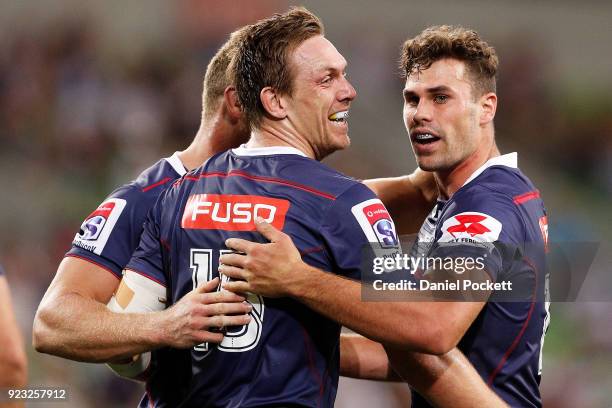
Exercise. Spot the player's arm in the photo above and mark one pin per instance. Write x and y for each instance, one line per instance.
(73, 321)
(276, 269)
(448, 380)
(13, 363)
(408, 198)
(364, 359)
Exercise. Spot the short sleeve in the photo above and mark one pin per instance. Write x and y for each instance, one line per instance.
(356, 227)
(109, 235)
(481, 225)
(148, 258)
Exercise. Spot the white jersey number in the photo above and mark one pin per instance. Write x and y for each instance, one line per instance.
(242, 338)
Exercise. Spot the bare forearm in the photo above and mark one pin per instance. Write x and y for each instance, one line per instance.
(447, 380)
(82, 329)
(365, 359)
(397, 323)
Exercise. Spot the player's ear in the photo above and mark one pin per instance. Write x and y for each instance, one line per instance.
(230, 97)
(273, 103)
(488, 106)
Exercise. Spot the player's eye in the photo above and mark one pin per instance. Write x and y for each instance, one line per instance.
(411, 100)
(440, 98)
(326, 80)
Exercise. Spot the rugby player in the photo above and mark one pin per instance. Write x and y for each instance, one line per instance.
(486, 208)
(72, 320)
(291, 84)
(13, 362)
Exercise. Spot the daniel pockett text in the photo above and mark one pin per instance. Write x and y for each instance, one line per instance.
(453, 267)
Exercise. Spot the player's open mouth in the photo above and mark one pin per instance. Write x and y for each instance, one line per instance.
(339, 117)
(424, 138)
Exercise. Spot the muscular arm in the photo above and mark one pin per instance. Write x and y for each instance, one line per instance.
(13, 363)
(73, 321)
(429, 327)
(448, 380)
(408, 198)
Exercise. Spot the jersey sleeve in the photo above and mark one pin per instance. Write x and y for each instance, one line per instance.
(148, 258)
(356, 228)
(482, 225)
(109, 235)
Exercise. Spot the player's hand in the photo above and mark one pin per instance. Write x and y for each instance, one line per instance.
(265, 269)
(188, 322)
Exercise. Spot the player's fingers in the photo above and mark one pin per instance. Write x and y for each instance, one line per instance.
(239, 320)
(220, 297)
(237, 286)
(206, 336)
(209, 286)
(233, 272)
(232, 259)
(226, 321)
(228, 308)
(240, 245)
(268, 230)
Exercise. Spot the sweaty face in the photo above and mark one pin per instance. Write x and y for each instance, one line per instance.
(319, 104)
(441, 115)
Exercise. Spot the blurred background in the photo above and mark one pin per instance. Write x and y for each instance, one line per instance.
(91, 93)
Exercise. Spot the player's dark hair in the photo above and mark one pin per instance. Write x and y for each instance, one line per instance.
(438, 42)
(262, 58)
(217, 77)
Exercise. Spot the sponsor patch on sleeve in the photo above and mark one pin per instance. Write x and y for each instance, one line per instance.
(376, 223)
(98, 226)
(470, 227)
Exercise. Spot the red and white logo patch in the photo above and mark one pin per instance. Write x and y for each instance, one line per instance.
(97, 227)
(232, 212)
(470, 227)
(376, 222)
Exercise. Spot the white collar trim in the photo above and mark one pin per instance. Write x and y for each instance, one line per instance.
(508, 160)
(176, 164)
(266, 151)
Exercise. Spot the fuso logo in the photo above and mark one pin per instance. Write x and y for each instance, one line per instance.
(93, 225)
(379, 219)
(232, 212)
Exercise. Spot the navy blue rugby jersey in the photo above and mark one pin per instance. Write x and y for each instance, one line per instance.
(288, 355)
(498, 215)
(110, 234)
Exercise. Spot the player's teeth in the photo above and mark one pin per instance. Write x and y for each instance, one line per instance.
(425, 136)
(339, 116)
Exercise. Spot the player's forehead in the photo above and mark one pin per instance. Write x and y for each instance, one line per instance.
(447, 73)
(317, 55)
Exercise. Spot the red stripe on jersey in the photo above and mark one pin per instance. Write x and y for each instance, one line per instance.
(146, 276)
(521, 332)
(107, 269)
(159, 183)
(237, 173)
(523, 198)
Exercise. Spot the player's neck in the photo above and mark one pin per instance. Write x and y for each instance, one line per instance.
(213, 137)
(270, 136)
(450, 181)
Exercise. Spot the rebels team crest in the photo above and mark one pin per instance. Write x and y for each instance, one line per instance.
(97, 227)
(376, 223)
(470, 227)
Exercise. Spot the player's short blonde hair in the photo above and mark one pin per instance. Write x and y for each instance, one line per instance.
(217, 77)
(262, 58)
(438, 42)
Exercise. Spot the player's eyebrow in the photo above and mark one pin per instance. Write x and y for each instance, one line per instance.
(438, 89)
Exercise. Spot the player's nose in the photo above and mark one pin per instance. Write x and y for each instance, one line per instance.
(347, 91)
(423, 112)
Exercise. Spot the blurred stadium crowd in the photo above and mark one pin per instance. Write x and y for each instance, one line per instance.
(77, 119)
